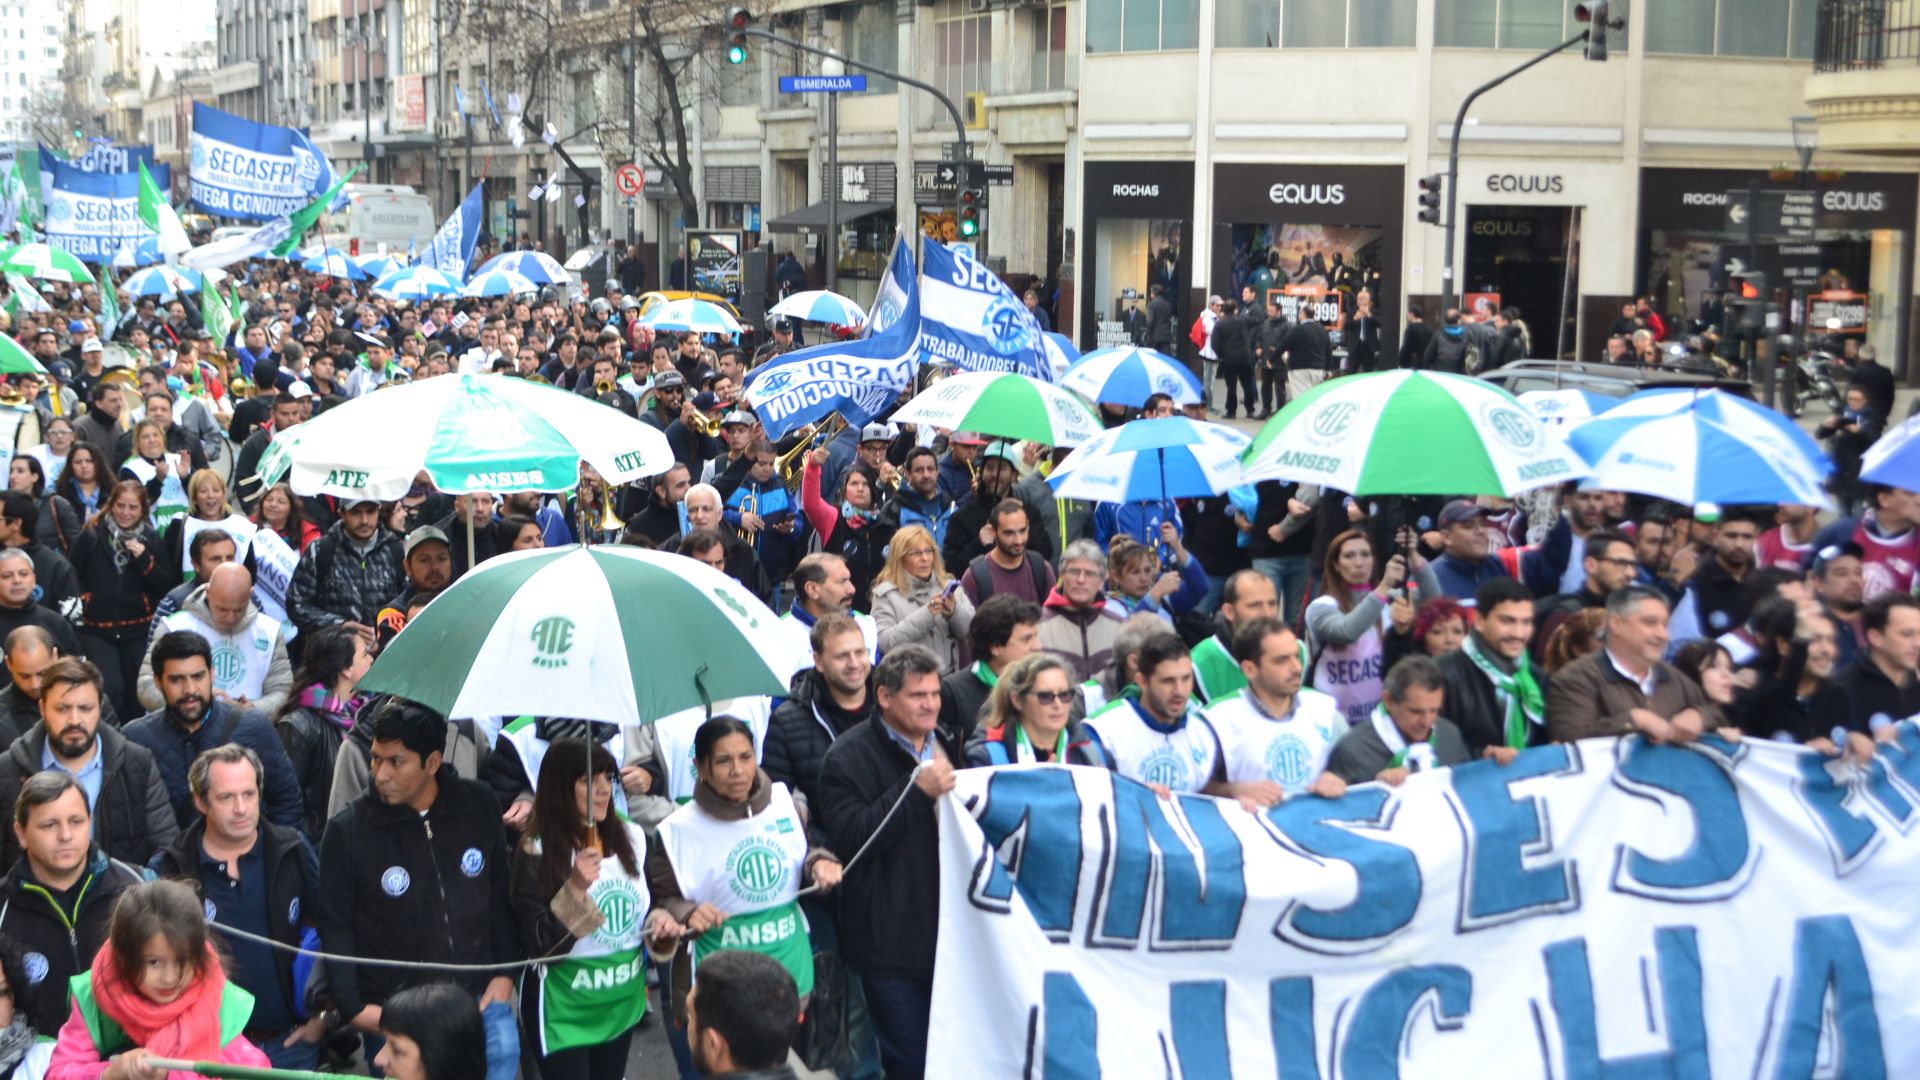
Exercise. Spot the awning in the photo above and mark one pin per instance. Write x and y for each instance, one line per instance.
(814, 218)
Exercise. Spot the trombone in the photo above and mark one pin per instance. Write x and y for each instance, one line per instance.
(788, 466)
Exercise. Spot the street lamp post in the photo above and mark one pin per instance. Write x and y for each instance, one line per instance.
(1806, 138)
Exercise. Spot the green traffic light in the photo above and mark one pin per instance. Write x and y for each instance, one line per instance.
(969, 227)
(736, 54)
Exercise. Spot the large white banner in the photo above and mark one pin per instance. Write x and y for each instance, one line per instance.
(1608, 908)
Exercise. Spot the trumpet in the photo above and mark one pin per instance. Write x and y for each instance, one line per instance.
(703, 425)
(749, 504)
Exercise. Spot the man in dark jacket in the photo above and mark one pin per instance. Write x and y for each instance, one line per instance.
(1159, 320)
(664, 515)
(53, 577)
(1309, 354)
(1495, 692)
(829, 699)
(1273, 368)
(1233, 345)
(969, 531)
(890, 910)
(1877, 381)
(57, 899)
(257, 877)
(416, 868)
(472, 514)
(1447, 350)
(30, 650)
(19, 606)
(1413, 340)
(193, 721)
(132, 817)
(346, 575)
(1005, 628)
(1881, 684)
(287, 413)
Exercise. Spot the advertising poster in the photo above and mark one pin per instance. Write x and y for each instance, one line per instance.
(716, 262)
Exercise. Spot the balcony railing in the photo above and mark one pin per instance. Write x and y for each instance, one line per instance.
(1859, 35)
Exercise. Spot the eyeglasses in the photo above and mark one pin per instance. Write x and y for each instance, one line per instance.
(918, 552)
(1051, 697)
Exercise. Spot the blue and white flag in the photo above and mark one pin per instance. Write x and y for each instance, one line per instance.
(487, 92)
(971, 320)
(254, 172)
(112, 159)
(858, 378)
(90, 214)
(896, 288)
(459, 100)
(452, 247)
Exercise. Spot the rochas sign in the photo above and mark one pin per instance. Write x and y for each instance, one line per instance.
(1307, 194)
(1137, 191)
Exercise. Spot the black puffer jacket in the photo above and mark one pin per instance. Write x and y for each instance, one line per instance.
(334, 583)
(63, 942)
(312, 740)
(132, 818)
(117, 601)
(801, 730)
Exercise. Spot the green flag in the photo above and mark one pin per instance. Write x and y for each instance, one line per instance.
(157, 214)
(214, 315)
(303, 219)
(109, 303)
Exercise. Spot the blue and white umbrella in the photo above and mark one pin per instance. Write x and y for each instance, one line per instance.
(1894, 460)
(1692, 447)
(145, 253)
(1128, 376)
(416, 283)
(821, 306)
(378, 266)
(1170, 457)
(332, 262)
(162, 281)
(1562, 409)
(689, 314)
(500, 283)
(1061, 354)
(536, 266)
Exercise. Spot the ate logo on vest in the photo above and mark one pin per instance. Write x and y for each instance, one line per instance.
(1288, 760)
(228, 665)
(552, 638)
(757, 871)
(619, 908)
(1166, 767)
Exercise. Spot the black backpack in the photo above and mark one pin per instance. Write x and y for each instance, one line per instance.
(983, 576)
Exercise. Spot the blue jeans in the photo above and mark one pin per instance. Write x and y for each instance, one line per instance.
(301, 1055)
(1289, 576)
(503, 1041)
(901, 1010)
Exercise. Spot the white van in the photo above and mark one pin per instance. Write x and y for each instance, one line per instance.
(380, 218)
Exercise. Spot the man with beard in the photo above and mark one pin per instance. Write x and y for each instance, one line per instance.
(534, 505)
(1008, 567)
(1558, 565)
(970, 534)
(1716, 597)
(1493, 689)
(741, 1017)
(1789, 544)
(1839, 582)
(918, 501)
(823, 586)
(1608, 564)
(132, 816)
(1249, 595)
(194, 719)
(1159, 739)
(253, 671)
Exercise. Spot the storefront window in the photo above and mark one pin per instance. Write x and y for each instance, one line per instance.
(1314, 24)
(872, 38)
(1520, 257)
(1131, 255)
(1135, 239)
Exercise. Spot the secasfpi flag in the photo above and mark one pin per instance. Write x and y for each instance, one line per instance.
(1606, 908)
(89, 215)
(452, 246)
(113, 159)
(971, 320)
(859, 378)
(255, 172)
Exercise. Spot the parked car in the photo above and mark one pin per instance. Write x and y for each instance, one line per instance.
(1611, 380)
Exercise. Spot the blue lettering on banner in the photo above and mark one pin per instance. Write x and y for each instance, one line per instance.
(1852, 838)
(1721, 859)
(1031, 818)
(1190, 911)
(1503, 833)
(1677, 950)
(1389, 876)
(1290, 1026)
(1828, 966)
(1072, 1028)
(1199, 1013)
(1373, 1044)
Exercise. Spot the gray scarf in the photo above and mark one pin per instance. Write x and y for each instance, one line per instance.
(15, 1041)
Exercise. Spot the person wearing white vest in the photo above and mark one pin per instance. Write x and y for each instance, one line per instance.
(520, 750)
(250, 665)
(579, 891)
(1275, 731)
(663, 752)
(822, 585)
(729, 865)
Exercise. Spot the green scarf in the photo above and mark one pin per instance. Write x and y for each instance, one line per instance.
(985, 674)
(1383, 723)
(1525, 704)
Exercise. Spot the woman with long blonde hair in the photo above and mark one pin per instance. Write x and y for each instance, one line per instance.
(915, 600)
(1029, 718)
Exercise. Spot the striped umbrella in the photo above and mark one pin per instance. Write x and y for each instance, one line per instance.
(536, 266)
(1702, 446)
(690, 314)
(45, 263)
(577, 632)
(378, 266)
(1128, 376)
(16, 360)
(1061, 354)
(1003, 403)
(1410, 433)
(145, 253)
(1170, 457)
(159, 281)
(332, 262)
(416, 283)
(821, 306)
(500, 283)
(1894, 460)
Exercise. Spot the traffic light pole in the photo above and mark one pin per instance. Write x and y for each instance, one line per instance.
(1448, 295)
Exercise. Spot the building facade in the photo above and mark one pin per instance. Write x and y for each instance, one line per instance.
(32, 51)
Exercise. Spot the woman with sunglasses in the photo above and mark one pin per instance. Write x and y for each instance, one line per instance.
(1029, 718)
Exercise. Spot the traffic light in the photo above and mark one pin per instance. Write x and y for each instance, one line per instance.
(1598, 23)
(972, 211)
(1430, 189)
(1750, 300)
(737, 20)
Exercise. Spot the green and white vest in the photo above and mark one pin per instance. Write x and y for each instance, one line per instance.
(236, 1008)
(1215, 672)
(750, 870)
(240, 661)
(599, 989)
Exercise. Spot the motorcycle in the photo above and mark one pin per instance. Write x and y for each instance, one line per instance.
(1819, 376)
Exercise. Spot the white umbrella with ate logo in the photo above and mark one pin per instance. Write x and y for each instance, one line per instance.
(1411, 433)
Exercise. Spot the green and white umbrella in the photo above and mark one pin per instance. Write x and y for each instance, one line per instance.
(1410, 433)
(1003, 403)
(44, 262)
(470, 433)
(595, 633)
(16, 360)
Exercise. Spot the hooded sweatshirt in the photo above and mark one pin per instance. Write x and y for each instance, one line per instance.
(248, 662)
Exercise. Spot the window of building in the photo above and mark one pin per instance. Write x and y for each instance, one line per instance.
(1760, 28)
(963, 49)
(1525, 24)
(872, 38)
(1050, 48)
(1142, 25)
(586, 104)
(1314, 24)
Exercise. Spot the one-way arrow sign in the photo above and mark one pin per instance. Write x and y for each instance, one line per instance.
(947, 174)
